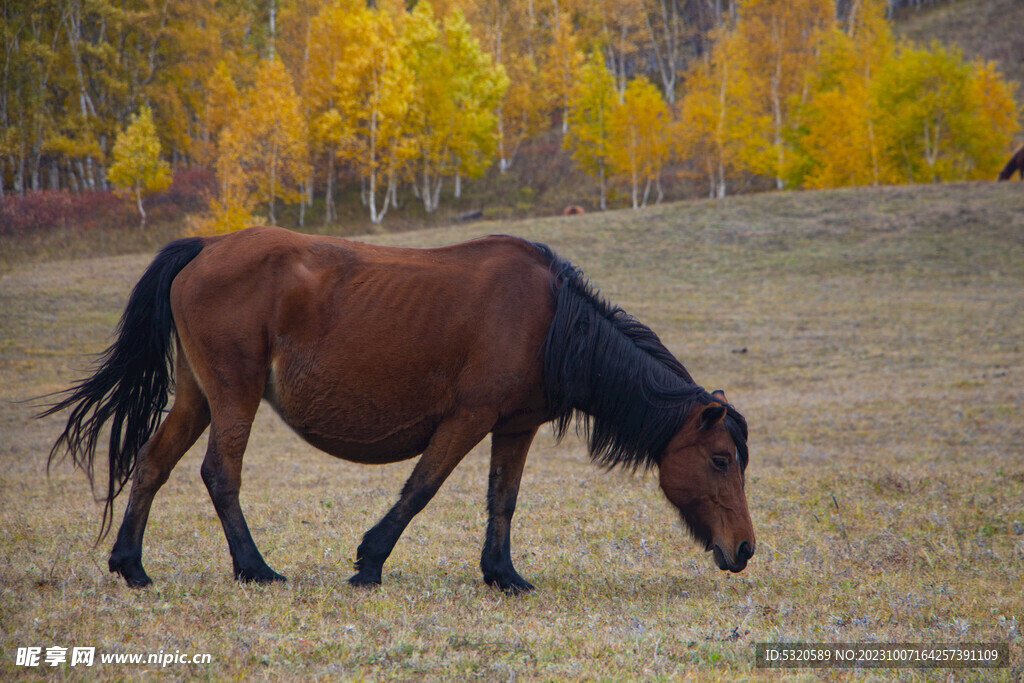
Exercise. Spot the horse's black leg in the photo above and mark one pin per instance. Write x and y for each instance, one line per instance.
(450, 443)
(187, 419)
(508, 455)
(222, 473)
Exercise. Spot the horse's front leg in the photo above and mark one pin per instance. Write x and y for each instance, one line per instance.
(508, 455)
(453, 439)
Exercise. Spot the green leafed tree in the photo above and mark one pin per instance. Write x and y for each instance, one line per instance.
(137, 166)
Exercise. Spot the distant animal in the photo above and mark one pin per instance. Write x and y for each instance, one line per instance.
(378, 354)
(574, 210)
(1015, 164)
(474, 215)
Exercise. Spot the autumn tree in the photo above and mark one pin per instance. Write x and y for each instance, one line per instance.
(617, 28)
(137, 166)
(776, 44)
(836, 143)
(510, 32)
(942, 118)
(561, 64)
(452, 123)
(639, 138)
(372, 92)
(334, 42)
(589, 138)
(715, 117)
(74, 72)
(671, 40)
(220, 105)
(262, 153)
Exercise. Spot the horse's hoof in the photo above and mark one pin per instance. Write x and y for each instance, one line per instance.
(365, 579)
(518, 588)
(510, 584)
(131, 571)
(138, 581)
(263, 575)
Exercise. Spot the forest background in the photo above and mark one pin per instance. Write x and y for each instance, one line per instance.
(332, 114)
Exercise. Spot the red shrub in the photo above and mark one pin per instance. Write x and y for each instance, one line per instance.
(46, 210)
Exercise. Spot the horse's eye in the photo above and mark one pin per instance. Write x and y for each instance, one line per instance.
(720, 463)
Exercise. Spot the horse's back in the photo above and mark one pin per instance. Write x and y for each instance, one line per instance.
(364, 349)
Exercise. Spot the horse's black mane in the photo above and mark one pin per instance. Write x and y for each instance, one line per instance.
(611, 374)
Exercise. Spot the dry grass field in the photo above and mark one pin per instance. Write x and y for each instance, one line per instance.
(882, 377)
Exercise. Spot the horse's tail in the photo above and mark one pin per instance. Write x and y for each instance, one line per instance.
(132, 381)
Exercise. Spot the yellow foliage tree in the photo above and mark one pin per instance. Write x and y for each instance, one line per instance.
(523, 111)
(776, 44)
(137, 166)
(639, 138)
(451, 124)
(335, 42)
(364, 94)
(837, 142)
(561, 64)
(589, 137)
(220, 105)
(715, 118)
(877, 114)
(618, 27)
(511, 31)
(941, 118)
(262, 153)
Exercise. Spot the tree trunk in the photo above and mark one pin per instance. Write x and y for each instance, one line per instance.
(437, 192)
(393, 190)
(330, 213)
(142, 212)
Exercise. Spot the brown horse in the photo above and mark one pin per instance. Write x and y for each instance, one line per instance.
(377, 354)
(1014, 165)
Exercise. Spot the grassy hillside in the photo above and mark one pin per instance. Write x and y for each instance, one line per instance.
(872, 337)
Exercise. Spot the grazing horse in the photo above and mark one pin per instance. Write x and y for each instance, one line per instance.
(378, 354)
(1014, 165)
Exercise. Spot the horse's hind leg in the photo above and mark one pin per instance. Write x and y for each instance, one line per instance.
(188, 417)
(222, 473)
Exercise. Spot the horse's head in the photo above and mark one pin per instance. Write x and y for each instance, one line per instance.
(702, 474)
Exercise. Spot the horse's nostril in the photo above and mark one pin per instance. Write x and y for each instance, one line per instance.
(745, 551)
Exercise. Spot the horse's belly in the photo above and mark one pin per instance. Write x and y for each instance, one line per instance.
(401, 445)
(367, 444)
(354, 427)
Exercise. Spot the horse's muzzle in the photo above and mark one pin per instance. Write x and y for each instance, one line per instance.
(738, 562)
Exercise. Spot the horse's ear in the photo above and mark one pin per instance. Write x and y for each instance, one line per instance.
(719, 395)
(711, 416)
